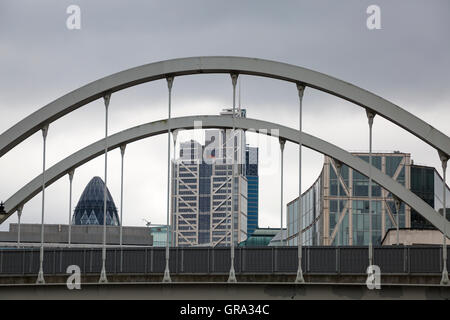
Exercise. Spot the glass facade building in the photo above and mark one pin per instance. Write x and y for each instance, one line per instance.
(159, 235)
(312, 208)
(341, 217)
(251, 173)
(427, 184)
(90, 207)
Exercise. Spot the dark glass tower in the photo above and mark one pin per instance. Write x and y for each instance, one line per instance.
(422, 184)
(89, 210)
(251, 173)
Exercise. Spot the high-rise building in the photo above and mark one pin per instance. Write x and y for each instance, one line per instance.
(89, 210)
(202, 189)
(427, 183)
(332, 217)
(251, 173)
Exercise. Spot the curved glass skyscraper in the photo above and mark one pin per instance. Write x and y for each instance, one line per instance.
(89, 210)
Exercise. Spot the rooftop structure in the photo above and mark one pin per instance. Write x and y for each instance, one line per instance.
(260, 237)
(89, 235)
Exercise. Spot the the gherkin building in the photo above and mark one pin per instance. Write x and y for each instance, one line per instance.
(89, 210)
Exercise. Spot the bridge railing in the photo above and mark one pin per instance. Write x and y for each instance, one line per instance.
(265, 260)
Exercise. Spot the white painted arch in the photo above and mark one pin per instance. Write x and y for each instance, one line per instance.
(160, 127)
(242, 65)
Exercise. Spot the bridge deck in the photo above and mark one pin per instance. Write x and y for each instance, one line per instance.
(223, 291)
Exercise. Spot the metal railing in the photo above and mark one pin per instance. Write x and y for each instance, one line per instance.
(264, 260)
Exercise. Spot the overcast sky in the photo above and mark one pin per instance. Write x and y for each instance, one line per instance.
(407, 62)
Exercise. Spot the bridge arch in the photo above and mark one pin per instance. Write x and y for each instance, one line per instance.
(161, 127)
(195, 65)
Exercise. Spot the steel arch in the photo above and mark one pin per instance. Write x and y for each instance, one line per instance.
(160, 127)
(195, 65)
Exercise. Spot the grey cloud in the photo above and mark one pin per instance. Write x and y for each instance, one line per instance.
(407, 62)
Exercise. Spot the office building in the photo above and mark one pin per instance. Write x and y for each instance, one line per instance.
(159, 235)
(332, 217)
(90, 207)
(202, 189)
(251, 173)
